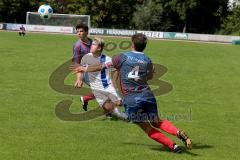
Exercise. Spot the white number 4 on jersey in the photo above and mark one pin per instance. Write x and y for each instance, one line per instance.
(134, 74)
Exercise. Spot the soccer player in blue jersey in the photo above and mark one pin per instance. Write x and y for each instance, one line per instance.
(81, 48)
(135, 69)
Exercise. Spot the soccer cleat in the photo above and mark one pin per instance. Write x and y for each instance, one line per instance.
(176, 149)
(183, 136)
(109, 116)
(84, 103)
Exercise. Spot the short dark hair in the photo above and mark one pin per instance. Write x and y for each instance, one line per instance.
(140, 41)
(83, 26)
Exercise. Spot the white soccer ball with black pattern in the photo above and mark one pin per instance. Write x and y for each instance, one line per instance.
(45, 11)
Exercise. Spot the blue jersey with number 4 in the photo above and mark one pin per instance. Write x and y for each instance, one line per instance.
(134, 68)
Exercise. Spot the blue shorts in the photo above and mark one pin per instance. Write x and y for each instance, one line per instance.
(141, 107)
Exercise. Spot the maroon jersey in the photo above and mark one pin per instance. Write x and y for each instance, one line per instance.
(80, 48)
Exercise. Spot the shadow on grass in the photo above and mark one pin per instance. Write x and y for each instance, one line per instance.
(141, 144)
(164, 149)
(62, 111)
(201, 146)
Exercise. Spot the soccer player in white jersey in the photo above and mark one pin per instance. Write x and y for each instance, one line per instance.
(100, 82)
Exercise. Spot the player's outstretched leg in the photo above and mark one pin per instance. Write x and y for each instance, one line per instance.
(85, 99)
(111, 110)
(119, 114)
(184, 137)
(171, 129)
(84, 103)
(159, 137)
(168, 127)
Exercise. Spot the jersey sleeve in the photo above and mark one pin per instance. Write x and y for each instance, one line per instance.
(150, 69)
(117, 61)
(108, 63)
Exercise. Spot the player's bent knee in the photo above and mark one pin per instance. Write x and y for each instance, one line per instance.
(155, 124)
(146, 127)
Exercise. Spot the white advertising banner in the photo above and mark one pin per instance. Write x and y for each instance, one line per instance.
(152, 34)
(15, 27)
(54, 29)
(40, 28)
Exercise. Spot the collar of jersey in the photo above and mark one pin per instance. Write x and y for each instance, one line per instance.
(89, 42)
(137, 52)
(96, 57)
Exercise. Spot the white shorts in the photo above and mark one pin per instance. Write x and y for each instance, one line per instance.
(109, 93)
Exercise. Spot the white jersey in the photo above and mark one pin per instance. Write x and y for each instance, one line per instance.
(99, 80)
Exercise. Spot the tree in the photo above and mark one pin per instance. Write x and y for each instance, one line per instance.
(231, 23)
(199, 16)
(207, 16)
(105, 13)
(183, 8)
(154, 15)
(15, 10)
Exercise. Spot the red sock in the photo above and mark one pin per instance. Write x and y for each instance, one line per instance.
(161, 138)
(168, 127)
(88, 97)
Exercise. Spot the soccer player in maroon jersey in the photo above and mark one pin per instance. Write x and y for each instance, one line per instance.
(80, 48)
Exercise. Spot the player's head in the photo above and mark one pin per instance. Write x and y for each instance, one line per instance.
(82, 30)
(139, 42)
(97, 45)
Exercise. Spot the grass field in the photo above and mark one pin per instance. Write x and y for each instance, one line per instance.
(206, 83)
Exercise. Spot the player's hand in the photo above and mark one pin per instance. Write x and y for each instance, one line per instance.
(77, 68)
(78, 84)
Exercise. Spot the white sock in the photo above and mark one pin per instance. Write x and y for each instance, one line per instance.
(116, 111)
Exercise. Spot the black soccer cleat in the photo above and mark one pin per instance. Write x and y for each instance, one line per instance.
(109, 116)
(176, 149)
(184, 137)
(84, 104)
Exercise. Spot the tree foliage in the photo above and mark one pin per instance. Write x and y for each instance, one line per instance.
(202, 16)
(232, 23)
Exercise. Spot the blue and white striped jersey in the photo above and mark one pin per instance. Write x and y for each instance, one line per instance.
(99, 80)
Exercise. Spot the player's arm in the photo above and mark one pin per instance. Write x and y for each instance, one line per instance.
(76, 59)
(90, 68)
(150, 71)
(99, 66)
(115, 78)
(96, 67)
(76, 68)
(79, 80)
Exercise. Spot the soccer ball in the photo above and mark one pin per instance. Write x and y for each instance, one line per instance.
(45, 11)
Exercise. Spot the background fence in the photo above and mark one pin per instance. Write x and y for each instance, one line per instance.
(124, 33)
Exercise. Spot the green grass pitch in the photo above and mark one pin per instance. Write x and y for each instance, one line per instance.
(206, 89)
